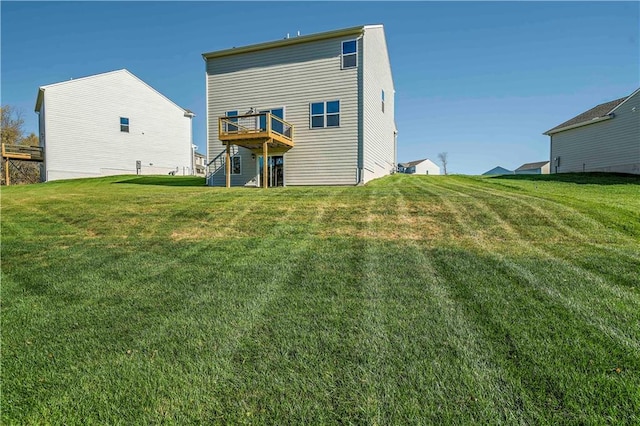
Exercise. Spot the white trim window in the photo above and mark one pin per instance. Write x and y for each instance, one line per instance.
(349, 57)
(230, 127)
(324, 114)
(124, 124)
(236, 169)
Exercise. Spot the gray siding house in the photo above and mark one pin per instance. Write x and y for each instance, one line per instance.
(605, 138)
(498, 170)
(320, 106)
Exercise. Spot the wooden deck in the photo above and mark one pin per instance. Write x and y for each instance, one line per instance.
(21, 153)
(24, 153)
(251, 131)
(261, 133)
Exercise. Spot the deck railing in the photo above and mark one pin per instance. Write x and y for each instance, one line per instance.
(23, 152)
(250, 126)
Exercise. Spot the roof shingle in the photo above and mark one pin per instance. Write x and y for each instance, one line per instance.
(598, 111)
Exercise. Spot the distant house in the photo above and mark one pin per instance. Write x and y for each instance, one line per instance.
(316, 109)
(605, 138)
(498, 170)
(419, 167)
(539, 168)
(110, 124)
(199, 163)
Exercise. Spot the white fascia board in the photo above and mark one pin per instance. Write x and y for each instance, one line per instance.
(584, 123)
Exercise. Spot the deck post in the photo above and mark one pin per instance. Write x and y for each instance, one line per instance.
(6, 171)
(227, 166)
(265, 164)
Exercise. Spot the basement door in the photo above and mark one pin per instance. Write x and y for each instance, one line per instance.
(275, 164)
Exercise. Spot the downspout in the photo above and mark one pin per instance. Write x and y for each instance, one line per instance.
(360, 166)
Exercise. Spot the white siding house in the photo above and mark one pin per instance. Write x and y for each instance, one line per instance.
(334, 88)
(605, 138)
(111, 124)
(419, 167)
(538, 168)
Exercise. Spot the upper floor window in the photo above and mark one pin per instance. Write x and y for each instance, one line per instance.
(325, 114)
(124, 124)
(349, 54)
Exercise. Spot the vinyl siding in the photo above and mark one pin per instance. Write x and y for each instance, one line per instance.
(379, 151)
(82, 128)
(607, 146)
(427, 167)
(41, 141)
(291, 77)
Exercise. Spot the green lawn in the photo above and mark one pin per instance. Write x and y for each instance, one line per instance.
(413, 299)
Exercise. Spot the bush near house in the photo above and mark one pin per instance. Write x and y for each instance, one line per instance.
(443, 299)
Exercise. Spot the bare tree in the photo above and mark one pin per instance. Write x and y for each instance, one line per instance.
(443, 157)
(12, 133)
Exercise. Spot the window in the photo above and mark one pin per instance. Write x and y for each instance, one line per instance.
(231, 127)
(383, 101)
(325, 114)
(235, 165)
(124, 124)
(349, 54)
(276, 125)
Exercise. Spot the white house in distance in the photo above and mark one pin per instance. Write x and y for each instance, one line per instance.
(319, 107)
(605, 138)
(111, 124)
(538, 168)
(419, 167)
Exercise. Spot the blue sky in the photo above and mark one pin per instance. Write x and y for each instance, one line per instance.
(479, 80)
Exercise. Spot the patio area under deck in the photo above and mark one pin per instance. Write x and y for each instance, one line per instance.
(261, 133)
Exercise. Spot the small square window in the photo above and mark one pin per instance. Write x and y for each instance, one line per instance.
(325, 114)
(124, 124)
(333, 107)
(349, 47)
(317, 121)
(317, 108)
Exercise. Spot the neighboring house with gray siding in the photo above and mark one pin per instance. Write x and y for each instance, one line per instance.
(111, 124)
(419, 167)
(605, 138)
(321, 106)
(539, 168)
(498, 170)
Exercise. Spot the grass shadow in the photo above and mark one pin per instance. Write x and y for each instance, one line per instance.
(165, 180)
(592, 178)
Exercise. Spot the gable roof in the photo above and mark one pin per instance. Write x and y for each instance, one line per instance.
(532, 166)
(288, 41)
(42, 89)
(412, 163)
(498, 170)
(598, 113)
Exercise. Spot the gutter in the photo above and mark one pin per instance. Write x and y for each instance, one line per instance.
(285, 42)
(584, 123)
